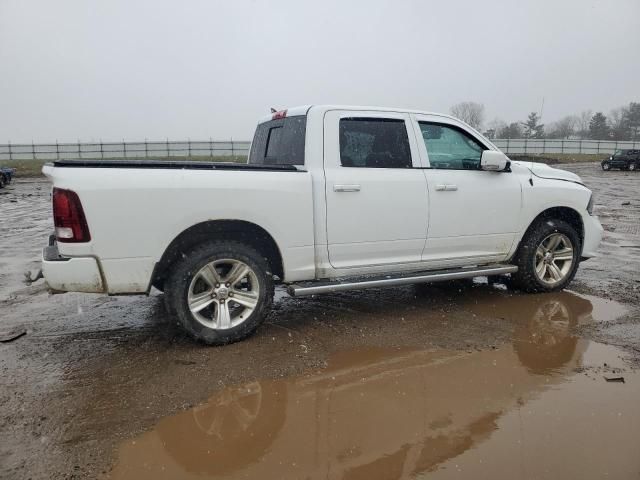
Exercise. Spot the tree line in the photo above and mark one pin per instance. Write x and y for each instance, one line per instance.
(622, 123)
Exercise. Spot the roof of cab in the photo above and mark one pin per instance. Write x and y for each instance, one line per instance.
(304, 110)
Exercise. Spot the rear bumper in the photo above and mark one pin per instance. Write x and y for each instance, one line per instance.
(70, 274)
(593, 232)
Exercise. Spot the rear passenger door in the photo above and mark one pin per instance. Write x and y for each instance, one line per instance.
(376, 194)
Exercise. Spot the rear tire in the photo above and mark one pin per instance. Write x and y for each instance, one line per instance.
(548, 256)
(220, 291)
(632, 167)
(606, 166)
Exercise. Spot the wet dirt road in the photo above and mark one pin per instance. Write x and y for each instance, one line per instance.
(445, 382)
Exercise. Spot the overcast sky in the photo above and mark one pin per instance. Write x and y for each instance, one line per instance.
(130, 69)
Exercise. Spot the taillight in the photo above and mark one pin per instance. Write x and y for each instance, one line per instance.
(68, 217)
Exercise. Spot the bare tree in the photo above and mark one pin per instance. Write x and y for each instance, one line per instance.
(619, 123)
(633, 118)
(493, 127)
(563, 128)
(471, 113)
(583, 123)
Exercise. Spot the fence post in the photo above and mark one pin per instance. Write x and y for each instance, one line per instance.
(210, 148)
(57, 150)
(233, 153)
(562, 146)
(79, 152)
(124, 147)
(168, 150)
(598, 147)
(580, 145)
(101, 150)
(525, 145)
(508, 152)
(10, 151)
(189, 147)
(146, 148)
(33, 150)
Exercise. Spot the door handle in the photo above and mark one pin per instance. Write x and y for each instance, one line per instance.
(446, 188)
(346, 188)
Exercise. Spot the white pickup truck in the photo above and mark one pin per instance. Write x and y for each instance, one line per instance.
(332, 198)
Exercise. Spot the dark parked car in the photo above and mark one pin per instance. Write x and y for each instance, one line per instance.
(622, 159)
(6, 175)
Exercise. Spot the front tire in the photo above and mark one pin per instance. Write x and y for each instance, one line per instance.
(632, 167)
(548, 256)
(220, 291)
(606, 166)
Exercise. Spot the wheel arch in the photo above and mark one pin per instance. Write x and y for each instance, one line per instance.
(567, 214)
(235, 230)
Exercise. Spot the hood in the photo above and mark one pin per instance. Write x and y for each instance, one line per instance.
(543, 170)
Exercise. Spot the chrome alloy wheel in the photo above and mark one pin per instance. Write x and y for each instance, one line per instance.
(554, 259)
(223, 294)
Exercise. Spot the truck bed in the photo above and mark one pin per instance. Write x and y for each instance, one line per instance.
(171, 165)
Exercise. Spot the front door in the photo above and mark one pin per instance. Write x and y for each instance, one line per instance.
(474, 214)
(376, 193)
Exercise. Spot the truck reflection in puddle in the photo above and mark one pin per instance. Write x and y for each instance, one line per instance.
(372, 413)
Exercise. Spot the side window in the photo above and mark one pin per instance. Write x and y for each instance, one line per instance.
(374, 143)
(450, 147)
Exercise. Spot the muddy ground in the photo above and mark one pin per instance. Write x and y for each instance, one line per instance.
(444, 381)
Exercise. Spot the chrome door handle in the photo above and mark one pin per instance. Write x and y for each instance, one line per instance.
(346, 188)
(446, 188)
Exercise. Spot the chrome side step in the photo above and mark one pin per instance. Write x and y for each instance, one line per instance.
(316, 288)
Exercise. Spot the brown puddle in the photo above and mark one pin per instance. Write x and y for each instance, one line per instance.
(537, 408)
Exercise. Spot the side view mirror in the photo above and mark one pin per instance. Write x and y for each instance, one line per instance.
(493, 161)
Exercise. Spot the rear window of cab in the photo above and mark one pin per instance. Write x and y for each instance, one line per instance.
(279, 142)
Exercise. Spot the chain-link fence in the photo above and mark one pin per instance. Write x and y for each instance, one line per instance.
(119, 150)
(539, 146)
(237, 150)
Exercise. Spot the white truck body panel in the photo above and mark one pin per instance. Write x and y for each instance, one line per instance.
(382, 218)
(327, 220)
(133, 217)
